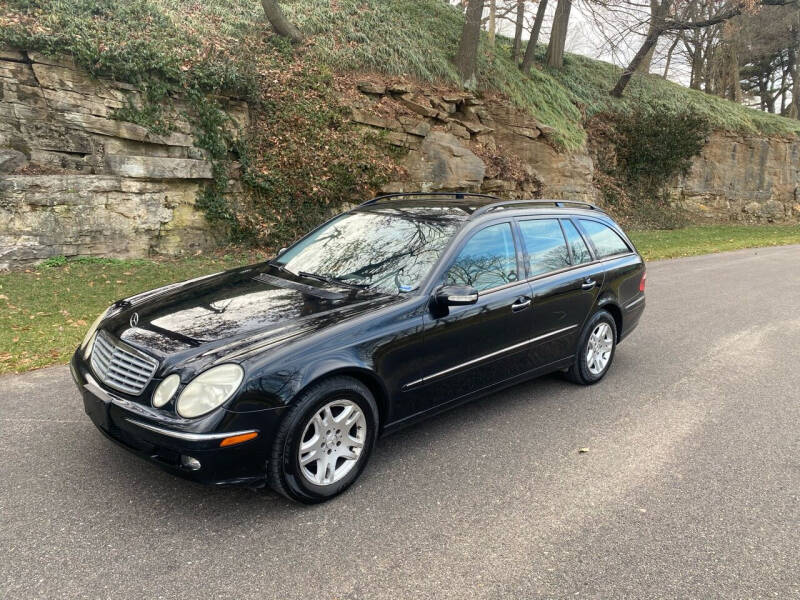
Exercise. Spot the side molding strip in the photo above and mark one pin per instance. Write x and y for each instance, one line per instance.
(438, 374)
(634, 303)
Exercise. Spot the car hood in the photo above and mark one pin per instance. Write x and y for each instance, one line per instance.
(231, 312)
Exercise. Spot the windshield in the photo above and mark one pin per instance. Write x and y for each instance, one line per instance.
(389, 250)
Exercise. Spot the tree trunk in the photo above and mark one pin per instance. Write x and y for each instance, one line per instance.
(649, 43)
(708, 65)
(794, 106)
(644, 66)
(696, 77)
(669, 55)
(492, 22)
(733, 75)
(466, 60)
(558, 35)
(768, 98)
(530, 49)
(279, 23)
(519, 25)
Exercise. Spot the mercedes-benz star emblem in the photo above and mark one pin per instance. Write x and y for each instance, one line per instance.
(134, 319)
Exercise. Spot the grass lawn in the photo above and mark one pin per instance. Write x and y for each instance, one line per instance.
(45, 311)
(691, 241)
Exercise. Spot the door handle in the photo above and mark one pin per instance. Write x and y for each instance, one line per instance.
(588, 283)
(521, 304)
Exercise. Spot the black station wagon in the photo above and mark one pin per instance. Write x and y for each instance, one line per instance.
(285, 373)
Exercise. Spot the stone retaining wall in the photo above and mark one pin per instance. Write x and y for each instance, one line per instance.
(742, 179)
(76, 181)
(457, 141)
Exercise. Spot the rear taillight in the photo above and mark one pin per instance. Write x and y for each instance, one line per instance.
(643, 281)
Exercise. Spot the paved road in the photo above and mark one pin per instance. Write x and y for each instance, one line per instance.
(690, 488)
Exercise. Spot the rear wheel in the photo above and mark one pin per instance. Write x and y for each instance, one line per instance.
(595, 351)
(324, 441)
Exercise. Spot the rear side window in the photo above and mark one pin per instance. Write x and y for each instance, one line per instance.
(488, 260)
(606, 241)
(545, 245)
(580, 252)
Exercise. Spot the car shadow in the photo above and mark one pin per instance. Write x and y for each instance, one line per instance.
(409, 444)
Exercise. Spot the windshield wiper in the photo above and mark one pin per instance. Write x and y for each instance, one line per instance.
(308, 275)
(282, 268)
(358, 286)
(332, 280)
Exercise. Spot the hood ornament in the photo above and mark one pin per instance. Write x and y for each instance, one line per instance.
(134, 320)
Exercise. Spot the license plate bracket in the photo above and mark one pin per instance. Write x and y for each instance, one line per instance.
(97, 407)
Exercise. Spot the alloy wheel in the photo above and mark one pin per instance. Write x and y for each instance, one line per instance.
(599, 348)
(332, 442)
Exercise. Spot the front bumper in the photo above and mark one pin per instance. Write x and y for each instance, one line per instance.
(133, 427)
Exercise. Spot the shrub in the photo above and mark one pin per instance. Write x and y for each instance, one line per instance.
(638, 155)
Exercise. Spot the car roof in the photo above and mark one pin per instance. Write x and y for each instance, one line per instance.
(469, 206)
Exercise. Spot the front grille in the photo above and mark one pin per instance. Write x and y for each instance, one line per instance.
(121, 367)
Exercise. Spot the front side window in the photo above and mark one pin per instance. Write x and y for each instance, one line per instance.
(389, 250)
(606, 241)
(545, 245)
(488, 260)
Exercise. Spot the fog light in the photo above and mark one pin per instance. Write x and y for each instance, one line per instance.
(189, 462)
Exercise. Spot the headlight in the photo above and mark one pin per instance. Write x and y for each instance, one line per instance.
(88, 340)
(165, 390)
(209, 390)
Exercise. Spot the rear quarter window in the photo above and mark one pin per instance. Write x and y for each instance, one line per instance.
(606, 241)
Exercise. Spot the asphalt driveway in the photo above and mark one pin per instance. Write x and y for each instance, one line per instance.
(690, 486)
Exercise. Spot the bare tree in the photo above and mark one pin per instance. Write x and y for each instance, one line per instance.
(492, 22)
(279, 22)
(670, 52)
(644, 66)
(558, 35)
(530, 49)
(664, 22)
(794, 106)
(466, 59)
(519, 25)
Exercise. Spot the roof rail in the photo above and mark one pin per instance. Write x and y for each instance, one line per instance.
(454, 195)
(556, 203)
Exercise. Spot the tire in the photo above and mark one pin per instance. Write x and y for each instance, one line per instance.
(308, 432)
(584, 372)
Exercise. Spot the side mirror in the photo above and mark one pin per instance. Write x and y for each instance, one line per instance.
(281, 251)
(456, 295)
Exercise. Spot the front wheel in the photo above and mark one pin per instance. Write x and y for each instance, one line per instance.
(324, 441)
(595, 351)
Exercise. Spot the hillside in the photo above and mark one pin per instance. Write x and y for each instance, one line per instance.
(302, 155)
(226, 44)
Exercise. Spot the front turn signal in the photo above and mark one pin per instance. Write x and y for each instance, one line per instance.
(238, 439)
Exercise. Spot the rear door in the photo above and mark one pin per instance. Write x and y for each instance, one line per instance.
(622, 267)
(565, 282)
(476, 346)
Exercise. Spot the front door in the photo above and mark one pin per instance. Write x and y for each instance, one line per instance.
(476, 346)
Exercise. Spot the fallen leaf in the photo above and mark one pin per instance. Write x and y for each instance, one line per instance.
(582, 450)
